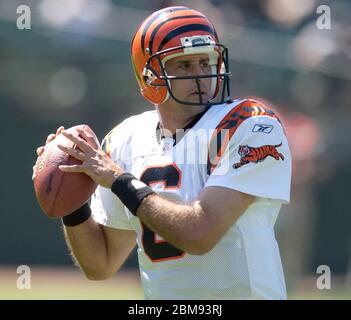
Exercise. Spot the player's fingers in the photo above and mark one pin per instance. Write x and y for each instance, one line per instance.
(59, 130)
(81, 143)
(86, 136)
(75, 153)
(40, 151)
(72, 168)
(50, 137)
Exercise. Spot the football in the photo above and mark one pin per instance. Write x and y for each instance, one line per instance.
(61, 193)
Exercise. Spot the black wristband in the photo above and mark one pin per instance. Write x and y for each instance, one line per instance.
(130, 191)
(77, 217)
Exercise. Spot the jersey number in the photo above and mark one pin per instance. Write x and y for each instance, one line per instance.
(159, 250)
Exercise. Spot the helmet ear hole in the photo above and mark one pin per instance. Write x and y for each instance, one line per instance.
(149, 76)
(152, 79)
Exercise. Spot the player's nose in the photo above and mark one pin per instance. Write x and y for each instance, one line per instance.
(198, 70)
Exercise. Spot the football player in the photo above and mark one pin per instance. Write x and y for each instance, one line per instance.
(197, 184)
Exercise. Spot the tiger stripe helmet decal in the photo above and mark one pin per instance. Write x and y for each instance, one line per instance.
(149, 21)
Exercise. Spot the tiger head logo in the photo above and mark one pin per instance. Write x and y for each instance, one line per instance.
(244, 150)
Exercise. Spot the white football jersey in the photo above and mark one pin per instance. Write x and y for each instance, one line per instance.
(241, 146)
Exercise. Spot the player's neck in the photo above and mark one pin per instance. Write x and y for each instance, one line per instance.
(173, 124)
(173, 119)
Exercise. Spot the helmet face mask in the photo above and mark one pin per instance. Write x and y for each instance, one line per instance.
(219, 75)
(179, 32)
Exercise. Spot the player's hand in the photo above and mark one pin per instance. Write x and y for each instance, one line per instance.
(95, 162)
(40, 149)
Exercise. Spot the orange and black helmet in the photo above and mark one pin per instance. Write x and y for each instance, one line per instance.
(172, 32)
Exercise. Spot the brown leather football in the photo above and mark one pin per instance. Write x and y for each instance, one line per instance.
(60, 193)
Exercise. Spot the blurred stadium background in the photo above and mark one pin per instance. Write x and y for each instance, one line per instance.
(73, 67)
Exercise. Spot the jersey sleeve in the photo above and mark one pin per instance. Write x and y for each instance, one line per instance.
(108, 210)
(256, 160)
(106, 207)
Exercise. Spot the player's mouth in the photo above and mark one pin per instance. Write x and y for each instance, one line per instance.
(195, 92)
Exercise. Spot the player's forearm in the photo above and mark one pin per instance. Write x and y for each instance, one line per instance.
(88, 247)
(184, 226)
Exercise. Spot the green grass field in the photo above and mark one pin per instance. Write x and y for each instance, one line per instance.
(70, 284)
(62, 283)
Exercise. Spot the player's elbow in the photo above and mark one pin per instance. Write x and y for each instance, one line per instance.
(200, 245)
(199, 249)
(201, 238)
(96, 275)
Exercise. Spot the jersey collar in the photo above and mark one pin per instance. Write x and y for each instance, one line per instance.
(177, 137)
